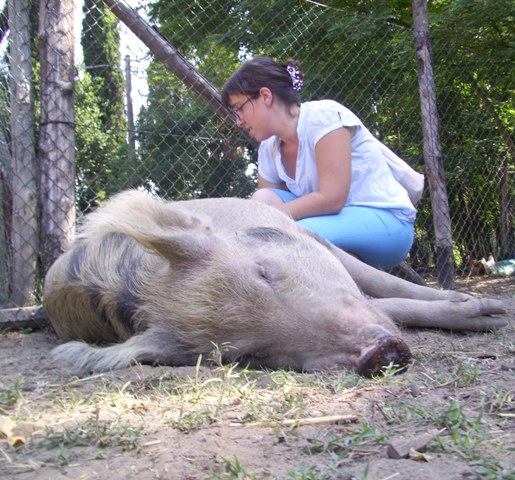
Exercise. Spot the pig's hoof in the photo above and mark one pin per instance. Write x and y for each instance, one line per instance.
(389, 351)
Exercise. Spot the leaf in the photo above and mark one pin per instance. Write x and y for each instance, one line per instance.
(17, 441)
(16, 434)
(418, 456)
(6, 427)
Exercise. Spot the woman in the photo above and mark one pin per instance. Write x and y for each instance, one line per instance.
(319, 164)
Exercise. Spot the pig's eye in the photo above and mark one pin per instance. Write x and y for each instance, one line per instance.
(263, 273)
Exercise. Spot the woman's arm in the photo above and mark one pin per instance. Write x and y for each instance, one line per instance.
(265, 195)
(333, 157)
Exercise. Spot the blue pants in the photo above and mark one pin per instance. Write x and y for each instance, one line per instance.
(374, 235)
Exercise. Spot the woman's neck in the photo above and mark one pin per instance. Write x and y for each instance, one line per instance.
(287, 121)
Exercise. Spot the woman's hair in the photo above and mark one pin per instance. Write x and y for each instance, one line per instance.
(283, 79)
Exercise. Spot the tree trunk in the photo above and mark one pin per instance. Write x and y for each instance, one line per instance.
(56, 138)
(506, 229)
(505, 195)
(432, 148)
(5, 217)
(24, 221)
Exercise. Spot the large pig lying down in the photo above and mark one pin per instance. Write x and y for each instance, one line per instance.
(162, 282)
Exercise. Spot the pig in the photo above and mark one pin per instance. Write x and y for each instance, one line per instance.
(162, 283)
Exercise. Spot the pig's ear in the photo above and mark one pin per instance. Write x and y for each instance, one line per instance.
(182, 248)
(179, 248)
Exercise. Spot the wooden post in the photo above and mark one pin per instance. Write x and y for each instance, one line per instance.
(432, 147)
(24, 218)
(56, 138)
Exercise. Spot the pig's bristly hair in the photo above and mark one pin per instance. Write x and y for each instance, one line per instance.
(153, 275)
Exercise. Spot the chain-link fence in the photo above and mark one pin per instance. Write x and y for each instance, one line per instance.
(116, 115)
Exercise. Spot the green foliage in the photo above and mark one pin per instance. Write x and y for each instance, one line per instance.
(215, 38)
(471, 45)
(361, 54)
(101, 158)
(233, 470)
(9, 395)
(101, 46)
(102, 161)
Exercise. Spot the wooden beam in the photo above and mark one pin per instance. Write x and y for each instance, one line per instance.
(26, 317)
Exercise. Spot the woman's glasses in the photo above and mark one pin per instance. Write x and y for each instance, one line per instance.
(239, 110)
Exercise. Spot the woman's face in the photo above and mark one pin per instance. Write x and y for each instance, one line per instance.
(252, 115)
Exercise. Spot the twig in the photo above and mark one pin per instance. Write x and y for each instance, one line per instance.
(7, 457)
(450, 382)
(429, 377)
(383, 413)
(300, 421)
(31, 466)
(152, 443)
(77, 380)
(396, 474)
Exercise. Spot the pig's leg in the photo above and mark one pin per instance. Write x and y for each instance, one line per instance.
(379, 284)
(473, 314)
(154, 346)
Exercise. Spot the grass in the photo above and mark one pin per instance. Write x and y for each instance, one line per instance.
(232, 469)
(10, 395)
(189, 404)
(92, 432)
(88, 419)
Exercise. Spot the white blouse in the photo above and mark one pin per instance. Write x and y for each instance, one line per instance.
(373, 183)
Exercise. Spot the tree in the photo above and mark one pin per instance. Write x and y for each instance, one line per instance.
(432, 146)
(177, 162)
(476, 40)
(102, 153)
(23, 188)
(56, 146)
(100, 42)
(213, 36)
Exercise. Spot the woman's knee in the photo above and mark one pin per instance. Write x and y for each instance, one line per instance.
(265, 195)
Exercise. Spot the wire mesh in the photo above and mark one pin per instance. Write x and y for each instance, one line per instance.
(132, 123)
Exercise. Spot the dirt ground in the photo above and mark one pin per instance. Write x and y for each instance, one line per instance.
(454, 408)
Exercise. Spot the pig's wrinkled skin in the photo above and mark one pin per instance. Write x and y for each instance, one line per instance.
(164, 282)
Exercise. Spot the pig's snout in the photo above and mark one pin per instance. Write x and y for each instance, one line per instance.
(389, 350)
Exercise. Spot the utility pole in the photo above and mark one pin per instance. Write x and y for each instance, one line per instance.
(130, 112)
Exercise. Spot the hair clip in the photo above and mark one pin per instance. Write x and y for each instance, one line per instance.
(296, 78)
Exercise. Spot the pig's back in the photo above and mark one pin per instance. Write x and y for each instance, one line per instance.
(236, 214)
